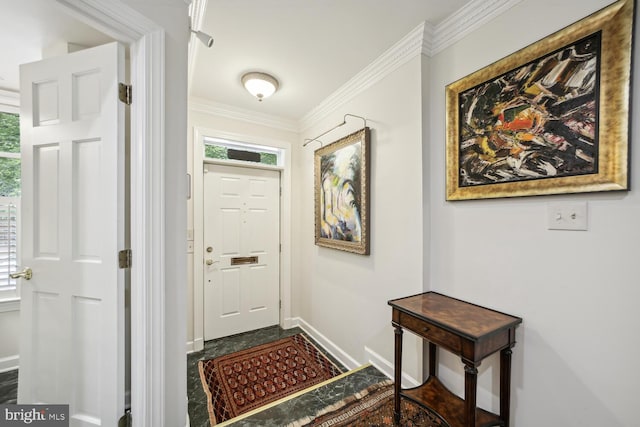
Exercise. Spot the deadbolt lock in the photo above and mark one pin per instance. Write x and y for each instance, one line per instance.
(209, 249)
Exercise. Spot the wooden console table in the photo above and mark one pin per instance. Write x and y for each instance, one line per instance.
(467, 330)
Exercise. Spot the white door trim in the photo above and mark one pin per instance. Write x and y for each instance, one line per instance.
(147, 52)
(199, 133)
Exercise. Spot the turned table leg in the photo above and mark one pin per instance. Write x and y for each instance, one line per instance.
(470, 386)
(432, 359)
(505, 385)
(397, 374)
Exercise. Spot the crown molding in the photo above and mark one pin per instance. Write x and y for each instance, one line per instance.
(464, 21)
(404, 50)
(425, 39)
(230, 112)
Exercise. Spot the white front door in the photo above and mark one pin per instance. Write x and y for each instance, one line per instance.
(72, 309)
(242, 255)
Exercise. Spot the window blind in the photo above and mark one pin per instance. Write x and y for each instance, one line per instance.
(8, 244)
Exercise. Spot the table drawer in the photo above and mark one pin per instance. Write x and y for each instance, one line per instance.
(431, 332)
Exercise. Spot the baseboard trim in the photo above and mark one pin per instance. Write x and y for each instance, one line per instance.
(9, 363)
(383, 365)
(289, 322)
(342, 356)
(387, 368)
(195, 345)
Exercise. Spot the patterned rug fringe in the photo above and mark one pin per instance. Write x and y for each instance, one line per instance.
(340, 404)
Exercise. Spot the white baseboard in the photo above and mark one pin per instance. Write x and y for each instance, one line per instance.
(342, 356)
(9, 363)
(290, 322)
(195, 345)
(383, 365)
(387, 368)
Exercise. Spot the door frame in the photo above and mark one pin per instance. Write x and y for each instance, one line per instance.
(146, 41)
(199, 134)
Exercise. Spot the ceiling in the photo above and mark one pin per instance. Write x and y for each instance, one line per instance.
(312, 47)
(30, 27)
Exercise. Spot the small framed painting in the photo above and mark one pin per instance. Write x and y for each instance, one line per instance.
(552, 118)
(342, 194)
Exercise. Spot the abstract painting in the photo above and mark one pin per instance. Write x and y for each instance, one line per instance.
(341, 194)
(552, 118)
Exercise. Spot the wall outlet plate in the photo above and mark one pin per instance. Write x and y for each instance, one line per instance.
(567, 216)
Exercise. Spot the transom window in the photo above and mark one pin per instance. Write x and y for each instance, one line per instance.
(223, 149)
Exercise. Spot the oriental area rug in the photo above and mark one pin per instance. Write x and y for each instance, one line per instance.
(372, 407)
(249, 379)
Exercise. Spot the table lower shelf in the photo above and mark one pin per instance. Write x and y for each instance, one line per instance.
(436, 397)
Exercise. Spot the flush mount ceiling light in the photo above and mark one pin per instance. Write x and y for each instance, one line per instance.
(205, 38)
(260, 85)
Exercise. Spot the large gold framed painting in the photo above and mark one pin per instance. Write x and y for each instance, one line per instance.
(552, 118)
(342, 194)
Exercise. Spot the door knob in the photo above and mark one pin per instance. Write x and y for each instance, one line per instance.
(26, 274)
(209, 262)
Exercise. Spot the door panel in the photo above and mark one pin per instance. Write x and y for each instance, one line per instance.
(72, 310)
(242, 219)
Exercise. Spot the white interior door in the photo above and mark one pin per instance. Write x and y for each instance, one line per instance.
(72, 309)
(242, 249)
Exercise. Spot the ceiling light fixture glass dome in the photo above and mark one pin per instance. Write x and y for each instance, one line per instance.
(260, 85)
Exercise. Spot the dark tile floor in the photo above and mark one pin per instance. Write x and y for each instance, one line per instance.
(276, 416)
(279, 415)
(9, 386)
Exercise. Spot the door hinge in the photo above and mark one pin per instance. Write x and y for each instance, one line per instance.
(125, 257)
(280, 305)
(124, 93)
(125, 420)
(280, 247)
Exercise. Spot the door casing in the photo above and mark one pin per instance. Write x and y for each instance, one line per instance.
(147, 52)
(199, 134)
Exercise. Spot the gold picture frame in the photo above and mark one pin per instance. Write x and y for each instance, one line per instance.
(552, 118)
(341, 172)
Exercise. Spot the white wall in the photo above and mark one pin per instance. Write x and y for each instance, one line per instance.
(9, 327)
(574, 364)
(343, 295)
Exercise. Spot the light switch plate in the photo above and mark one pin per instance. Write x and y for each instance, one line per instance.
(567, 216)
